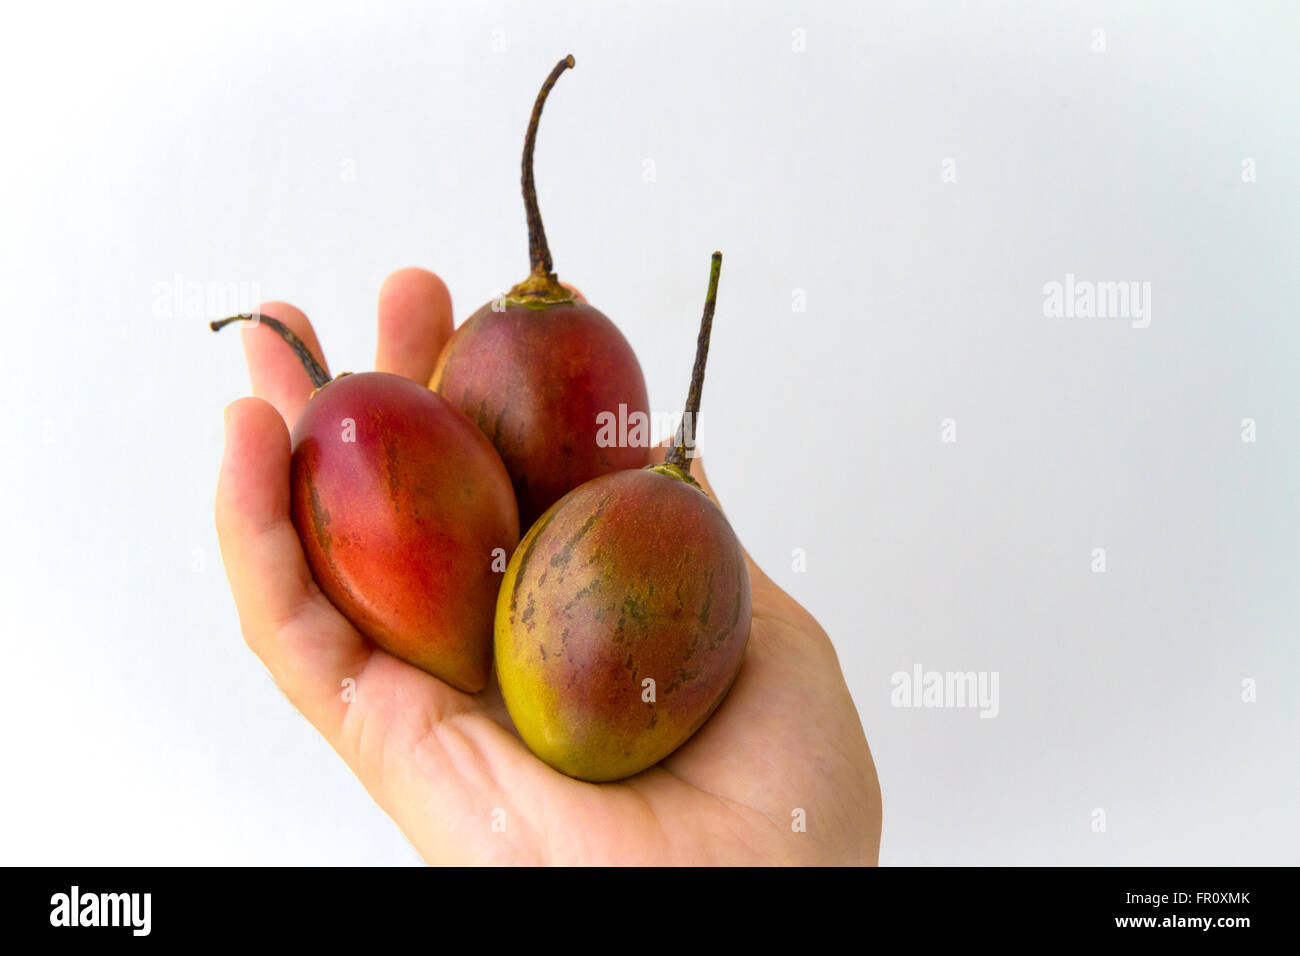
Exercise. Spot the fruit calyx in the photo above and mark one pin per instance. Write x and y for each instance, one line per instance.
(676, 473)
(541, 289)
(315, 371)
(677, 463)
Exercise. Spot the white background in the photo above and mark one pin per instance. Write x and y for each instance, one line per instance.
(214, 146)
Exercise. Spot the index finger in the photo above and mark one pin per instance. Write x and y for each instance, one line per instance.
(275, 372)
(414, 323)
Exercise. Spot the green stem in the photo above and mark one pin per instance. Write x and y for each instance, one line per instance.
(677, 455)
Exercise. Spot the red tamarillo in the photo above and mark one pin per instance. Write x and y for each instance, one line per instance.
(401, 505)
(536, 368)
(624, 614)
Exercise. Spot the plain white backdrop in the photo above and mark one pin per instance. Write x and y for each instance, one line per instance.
(912, 174)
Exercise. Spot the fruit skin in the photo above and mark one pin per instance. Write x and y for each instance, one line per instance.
(534, 380)
(633, 575)
(399, 525)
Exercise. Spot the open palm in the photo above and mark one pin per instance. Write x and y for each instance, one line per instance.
(781, 773)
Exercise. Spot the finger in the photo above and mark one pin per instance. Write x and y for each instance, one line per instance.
(305, 643)
(275, 371)
(414, 323)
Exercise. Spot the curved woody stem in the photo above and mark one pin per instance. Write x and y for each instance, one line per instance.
(315, 371)
(541, 287)
(679, 455)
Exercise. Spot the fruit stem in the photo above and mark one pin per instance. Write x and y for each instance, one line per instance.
(541, 284)
(678, 454)
(315, 371)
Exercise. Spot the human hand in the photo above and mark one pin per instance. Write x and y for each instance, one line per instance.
(447, 766)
